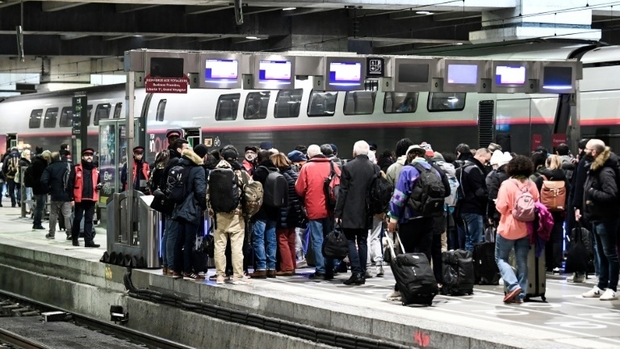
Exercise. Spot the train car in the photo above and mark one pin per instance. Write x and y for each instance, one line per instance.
(305, 116)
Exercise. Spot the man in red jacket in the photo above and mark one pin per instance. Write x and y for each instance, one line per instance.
(86, 185)
(310, 186)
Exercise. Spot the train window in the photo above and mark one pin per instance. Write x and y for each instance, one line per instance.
(117, 110)
(35, 118)
(227, 107)
(66, 117)
(102, 112)
(51, 114)
(322, 103)
(359, 102)
(161, 110)
(400, 102)
(288, 103)
(256, 105)
(443, 101)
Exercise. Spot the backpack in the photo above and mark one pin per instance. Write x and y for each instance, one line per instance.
(275, 189)
(12, 165)
(379, 194)
(176, 183)
(29, 181)
(427, 196)
(448, 169)
(553, 195)
(460, 192)
(331, 187)
(524, 208)
(252, 196)
(224, 193)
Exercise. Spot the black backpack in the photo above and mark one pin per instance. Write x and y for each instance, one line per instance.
(427, 196)
(176, 183)
(275, 189)
(379, 194)
(224, 193)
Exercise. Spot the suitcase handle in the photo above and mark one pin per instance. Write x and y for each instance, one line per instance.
(391, 245)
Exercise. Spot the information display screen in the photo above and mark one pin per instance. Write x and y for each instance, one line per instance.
(557, 78)
(510, 75)
(413, 73)
(466, 74)
(274, 71)
(221, 70)
(344, 73)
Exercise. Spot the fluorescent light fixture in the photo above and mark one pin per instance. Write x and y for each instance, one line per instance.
(252, 37)
(557, 87)
(289, 8)
(424, 13)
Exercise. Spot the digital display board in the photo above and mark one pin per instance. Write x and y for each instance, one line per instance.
(166, 67)
(345, 73)
(466, 74)
(557, 78)
(274, 71)
(413, 73)
(510, 75)
(221, 70)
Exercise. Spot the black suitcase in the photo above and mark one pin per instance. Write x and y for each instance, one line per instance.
(458, 273)
(486, 271)
(414, 277)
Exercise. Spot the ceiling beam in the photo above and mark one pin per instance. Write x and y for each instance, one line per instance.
(247, 11)
(305, 11)
(53, 6)
(126, 8)
(455, 16)
(196, 10)
(407, 14)
(386, 42)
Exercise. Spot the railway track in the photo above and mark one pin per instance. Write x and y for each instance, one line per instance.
(14, 340)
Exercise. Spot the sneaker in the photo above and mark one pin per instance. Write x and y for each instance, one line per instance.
(38, 227)
(49, 237)
(219, 279)
(176, 275)
(302, 264)
(239, 281)
(193, 276)
(512, 295)
(608, 295)
(394, 296)
(379, 270)
(556, 270)
(368, 274)
(595, 292)
(576, 278)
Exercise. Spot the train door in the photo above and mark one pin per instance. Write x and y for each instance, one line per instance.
(193, 136)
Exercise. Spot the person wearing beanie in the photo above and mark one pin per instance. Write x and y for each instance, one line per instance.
(140, 172)
(298, 159)
(249, 160)
(497, 154)
(266, 146)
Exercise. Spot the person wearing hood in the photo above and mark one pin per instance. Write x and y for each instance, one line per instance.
(494, 180)
(553, 249)
(86, 183)
(393, 171)
(600, 206)
(140, 171)
(38, 166)
(188, 214)
(249, 160)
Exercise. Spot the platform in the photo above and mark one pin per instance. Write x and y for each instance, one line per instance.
(479, 321)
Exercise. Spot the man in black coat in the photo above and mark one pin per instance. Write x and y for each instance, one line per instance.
(473, 206)
(39, 164)
(55, 181)
(351, 210)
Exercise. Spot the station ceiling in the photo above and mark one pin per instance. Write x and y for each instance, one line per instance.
(109, 27)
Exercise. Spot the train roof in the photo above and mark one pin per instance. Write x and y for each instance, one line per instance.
(66, 93)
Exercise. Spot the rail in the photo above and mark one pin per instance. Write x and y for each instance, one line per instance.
(14, 339)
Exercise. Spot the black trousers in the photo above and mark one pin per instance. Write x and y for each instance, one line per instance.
(84, 209)
(358, 249)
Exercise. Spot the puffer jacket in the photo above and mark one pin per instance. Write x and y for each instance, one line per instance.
(601, 190)
(196, 185)
(309, 186)
(52, 181)
(291, 215)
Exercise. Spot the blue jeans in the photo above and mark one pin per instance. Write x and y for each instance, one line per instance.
(318, 229)
(264, 243)
(474, 227)
(605, 235)
(172, 234)
(502, 250)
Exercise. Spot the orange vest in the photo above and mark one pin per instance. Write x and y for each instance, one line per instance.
(79, 183)
(145, 173)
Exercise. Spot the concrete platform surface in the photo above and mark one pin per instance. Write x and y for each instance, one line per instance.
(566, 320)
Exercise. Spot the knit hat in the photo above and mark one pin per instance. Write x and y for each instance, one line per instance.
(429, 150)
(297, 156)
(504, 159)
(229, 153)
(496, 157)
(201, 150)
(313, 150)
(413, 147)
(334, 148)
(438, 157)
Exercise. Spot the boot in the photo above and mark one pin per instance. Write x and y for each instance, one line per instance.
(75, 242)
(271, 273)
(258, 274)
(91, 244)
(355, 279)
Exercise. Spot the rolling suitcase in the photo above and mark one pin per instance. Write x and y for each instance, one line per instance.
(414, 277)
(486, 271)
(536, 274)
(458, 273)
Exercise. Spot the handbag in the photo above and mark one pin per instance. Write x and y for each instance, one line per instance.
(160, 203)
(335, 244)
(577, 253)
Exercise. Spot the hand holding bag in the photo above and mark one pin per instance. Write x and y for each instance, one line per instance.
(335, 244)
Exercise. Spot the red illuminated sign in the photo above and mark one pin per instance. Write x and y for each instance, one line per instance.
(165, 85)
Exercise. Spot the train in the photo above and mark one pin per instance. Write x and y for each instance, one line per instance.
(288, 118)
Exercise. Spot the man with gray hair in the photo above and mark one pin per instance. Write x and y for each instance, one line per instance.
(309, 187)
(351, 211)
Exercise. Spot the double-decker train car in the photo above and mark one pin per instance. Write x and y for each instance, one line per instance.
(304, 116)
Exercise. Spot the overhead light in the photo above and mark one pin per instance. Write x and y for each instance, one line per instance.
(289, 8)
(424, 13)
(252, 37)
(458, 43)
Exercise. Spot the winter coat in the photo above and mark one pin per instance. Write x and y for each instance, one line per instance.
(309, 186)
(84, 179)
(23, 165)
(36, 171)
(53, 181)
(579, 180)
(473, 184)
(393, 172)
(291, 215)
(356, 177)
(260, 175)
(539, 231)
(191, 209)
(600, 199)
